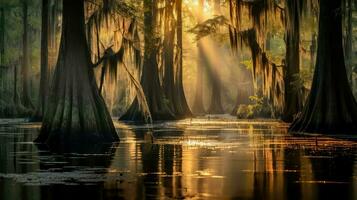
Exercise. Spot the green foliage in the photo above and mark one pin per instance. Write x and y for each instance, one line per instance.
(245, 112)
(258, 109)
(208, 27)
(13, 33)
(248, 63)
(13, 30)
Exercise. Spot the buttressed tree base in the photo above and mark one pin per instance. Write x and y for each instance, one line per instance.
(75, 111)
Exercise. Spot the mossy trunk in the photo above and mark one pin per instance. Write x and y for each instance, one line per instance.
(44, 61)
(313, 47)
(216, 98)
(150, 82)
(75, 111)
(182, 108)
(2, 36)
(293, 96)
(331, 107)
(53, 44)
(168, 58)
(348, 40)
(2, 50)
(15, 94)
(25, 94)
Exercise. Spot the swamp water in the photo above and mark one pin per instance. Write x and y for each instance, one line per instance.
(189, 159)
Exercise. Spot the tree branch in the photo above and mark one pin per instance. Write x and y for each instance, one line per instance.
(107, 53)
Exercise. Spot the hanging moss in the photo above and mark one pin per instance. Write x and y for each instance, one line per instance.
(270, 72)
(125, 46)
(209, 26)
(151, 79)
(259, 11)
(170, 56)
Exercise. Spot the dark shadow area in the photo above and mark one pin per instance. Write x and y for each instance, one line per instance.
(81, 170)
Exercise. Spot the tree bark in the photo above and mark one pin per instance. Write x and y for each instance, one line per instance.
(150, 82)
(52, 34)
(172, 83)
(168, 57)
(2, 50)
(25, 95)
(182, 108)
(2, 36)
(313, 47)
(216, 99)
(44, 61)
(52, 22)
(293, 96)
(75, 112)
(198, 107)
(15, 93)
(331, 107)
(348, 41)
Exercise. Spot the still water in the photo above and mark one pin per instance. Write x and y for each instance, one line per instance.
(189, 159)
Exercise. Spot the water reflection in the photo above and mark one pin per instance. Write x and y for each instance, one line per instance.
(217, 159)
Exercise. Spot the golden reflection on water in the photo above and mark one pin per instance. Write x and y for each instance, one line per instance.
(196, 159)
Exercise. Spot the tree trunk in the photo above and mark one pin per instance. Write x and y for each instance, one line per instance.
(150, 82)
(293, 96)
(15, 94)
(348, 41)
(216, 102)
(216, 99)
(198, 107)
(245, 89)
(182, 108)
(168, 57)
(44, 61)
(313, 51)
(331, 107)
(2, 50)
(172, 83)
(25, 95)
(75, 111)
(2, 36)
(52, 35)
(52, 22)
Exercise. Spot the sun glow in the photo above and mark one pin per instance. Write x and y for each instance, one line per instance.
(193, 6)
